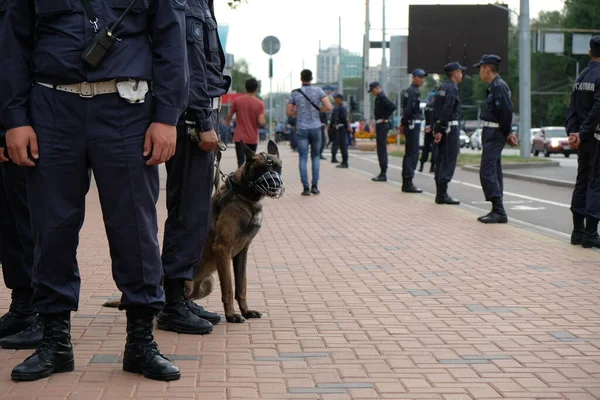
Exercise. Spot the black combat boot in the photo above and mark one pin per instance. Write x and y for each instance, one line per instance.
(29, 338)
(442, 197)
(590, 237)
(344, 164)
(578, 229)
(142, 355)
(497, 215)
(54, 353)
(409, 187)
(177, 315)
(20, 314)
(334, 160)
(382, 177)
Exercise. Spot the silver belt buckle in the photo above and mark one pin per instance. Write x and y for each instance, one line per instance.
(89, 93)
(216, 103)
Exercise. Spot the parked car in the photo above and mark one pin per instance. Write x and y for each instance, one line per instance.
(551, 140)
(464, 139)
(476, 140)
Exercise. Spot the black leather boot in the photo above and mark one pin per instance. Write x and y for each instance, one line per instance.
(142, 355)
(344, 164)
(29, 338)
(590, 237)
(177, 315)
(382, 177)
(442, 195)
(578, 229)
(497, 215)
(409, 187)
(54, 353)
(20, 314)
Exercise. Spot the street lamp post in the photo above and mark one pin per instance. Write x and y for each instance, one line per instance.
(524, 80)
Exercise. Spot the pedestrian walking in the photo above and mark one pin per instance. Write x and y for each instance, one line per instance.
(70, 105)
(384, 109)
(447, 133)
(410, 125)
(190, 175)
(429, 146)
(250, 115)
(497, 115)
(305, 104)
(339, 127)
(583, 118)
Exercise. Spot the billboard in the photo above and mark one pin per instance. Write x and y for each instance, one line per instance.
(439, 34)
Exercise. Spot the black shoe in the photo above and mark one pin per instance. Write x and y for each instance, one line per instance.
(590, 237)
(28, 338)
(408, 187)
(334, 161)
(54, 353)
(342, 165)
(380, 178)
(322, 157)
(442, 195)
(20, 314)
(212, 317)
(494, 218)
(306, 192)
(314, 189)
(177, 316)
(142, 355)
(578, 229)
(484, 216)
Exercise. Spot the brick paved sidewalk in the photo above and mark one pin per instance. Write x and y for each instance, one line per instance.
(363, 298)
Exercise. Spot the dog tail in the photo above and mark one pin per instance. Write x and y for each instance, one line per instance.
(112, 304)
(203, 289)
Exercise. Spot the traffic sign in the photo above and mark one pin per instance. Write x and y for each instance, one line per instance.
(271, 45)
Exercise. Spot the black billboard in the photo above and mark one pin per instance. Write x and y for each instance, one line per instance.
(439, 34)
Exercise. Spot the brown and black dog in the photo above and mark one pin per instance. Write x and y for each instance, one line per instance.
(236, 217)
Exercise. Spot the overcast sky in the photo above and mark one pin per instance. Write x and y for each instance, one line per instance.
(301, 24)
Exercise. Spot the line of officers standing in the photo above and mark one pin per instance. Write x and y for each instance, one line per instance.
(76, 97)
(442, 132)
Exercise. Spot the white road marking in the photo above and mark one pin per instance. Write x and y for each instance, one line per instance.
(527, 208)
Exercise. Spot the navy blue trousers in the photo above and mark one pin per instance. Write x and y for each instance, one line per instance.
(490, 170)
(381, 132)
(586, 195)
(16, 239)
(411, 152)
(190, 176)
(106, 134)
(447, 156)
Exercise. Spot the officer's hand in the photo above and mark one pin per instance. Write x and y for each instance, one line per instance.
(349, 129)
(18, 141)
(161, 140)
(438, 137)
(208, 140)
(574, 140)
(2, 157)
(512, 140)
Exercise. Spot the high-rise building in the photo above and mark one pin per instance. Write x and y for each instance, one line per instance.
(328, 67)
(399, 77)
(223, 31)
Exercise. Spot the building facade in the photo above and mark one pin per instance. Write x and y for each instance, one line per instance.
(328, 65)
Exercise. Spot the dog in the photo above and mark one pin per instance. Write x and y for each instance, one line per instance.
(236, 217)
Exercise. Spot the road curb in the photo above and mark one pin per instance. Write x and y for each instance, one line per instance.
(527, 178)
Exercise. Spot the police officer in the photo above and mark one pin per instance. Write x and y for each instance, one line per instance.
(339, 127)
(190, 173)
(447, 134)
(71, 106)
(410, 124)
(428, 145)
(324, 117)
(384, 108)
(583, 117)
(496, 114)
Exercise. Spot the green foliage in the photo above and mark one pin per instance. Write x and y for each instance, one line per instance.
(239, 74)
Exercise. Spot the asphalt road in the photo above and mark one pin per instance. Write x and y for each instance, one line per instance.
(540, 207)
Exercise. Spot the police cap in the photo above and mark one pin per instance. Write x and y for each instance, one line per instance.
(419, 72)
(341, 96)
(488, 59)
(372, 86)
(453, 66)
(595, 42)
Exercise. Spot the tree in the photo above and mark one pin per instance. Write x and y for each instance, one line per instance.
(239, 74)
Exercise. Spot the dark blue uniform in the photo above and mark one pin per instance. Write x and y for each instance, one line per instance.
(428, 140)
(583, 117)
(384, 109)
(102, 132)
(447, 114)
(324, 119)
(339, 126)
(190, 173)
(411, 120)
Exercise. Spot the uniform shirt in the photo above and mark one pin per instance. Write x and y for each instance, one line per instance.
(412, 105)
(307, 116)
(429, 120)
(247, 109)
(43, 41)
(583, 114)
(384, 108)
(498, 106)
(339, 115)
(447, 104)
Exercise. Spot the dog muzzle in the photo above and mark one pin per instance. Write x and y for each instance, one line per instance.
(270, 184)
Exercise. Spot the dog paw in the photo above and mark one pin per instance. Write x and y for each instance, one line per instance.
(235, 318)
(252, 314)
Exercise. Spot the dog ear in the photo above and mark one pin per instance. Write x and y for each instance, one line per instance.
(247, 152)
(272, 148)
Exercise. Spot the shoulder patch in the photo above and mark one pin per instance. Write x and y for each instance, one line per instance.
(442, 93)
(197, 30)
